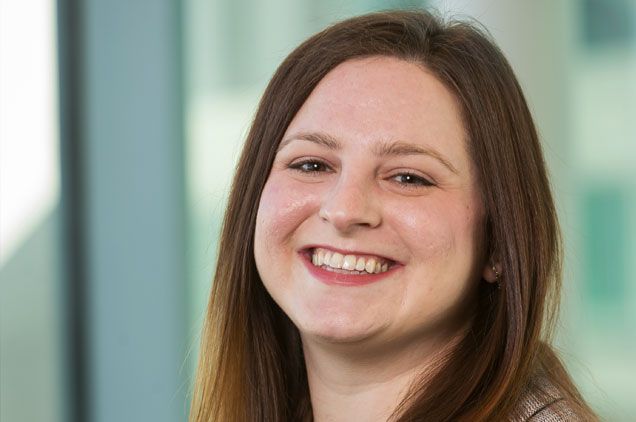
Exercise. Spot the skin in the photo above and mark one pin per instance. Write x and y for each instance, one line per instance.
(375, 161)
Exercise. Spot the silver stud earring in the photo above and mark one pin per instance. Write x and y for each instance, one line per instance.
(497, 280)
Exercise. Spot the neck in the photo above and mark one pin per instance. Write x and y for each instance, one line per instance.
(347, 382)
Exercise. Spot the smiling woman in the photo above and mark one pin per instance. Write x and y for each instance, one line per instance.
(367, 196)
(390, 249)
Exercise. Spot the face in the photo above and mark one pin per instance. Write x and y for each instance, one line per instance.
(370, 224)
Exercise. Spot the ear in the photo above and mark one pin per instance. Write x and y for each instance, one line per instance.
(489, 273)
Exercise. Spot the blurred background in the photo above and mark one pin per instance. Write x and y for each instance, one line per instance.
(121, 122)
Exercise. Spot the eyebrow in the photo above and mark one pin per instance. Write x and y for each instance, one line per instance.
(382, 149)
(318, 138)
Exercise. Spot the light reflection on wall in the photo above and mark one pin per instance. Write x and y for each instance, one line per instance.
(29, 170)
(32, 375)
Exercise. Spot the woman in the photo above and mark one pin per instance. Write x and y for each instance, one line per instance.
(390, 249)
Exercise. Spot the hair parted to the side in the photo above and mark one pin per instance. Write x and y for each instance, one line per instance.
(251, 366)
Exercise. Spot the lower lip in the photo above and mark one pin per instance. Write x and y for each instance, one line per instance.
(331, 277)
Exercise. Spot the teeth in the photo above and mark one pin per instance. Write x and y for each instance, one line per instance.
(370, 266)
(327, 258)
(336, 260)
(348, 264)
(335, 270)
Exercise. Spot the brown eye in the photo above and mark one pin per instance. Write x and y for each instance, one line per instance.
(309, 166)
(411, 180)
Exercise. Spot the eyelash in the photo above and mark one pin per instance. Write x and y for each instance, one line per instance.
(416, 180)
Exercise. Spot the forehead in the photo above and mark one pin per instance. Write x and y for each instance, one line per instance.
(383, 99)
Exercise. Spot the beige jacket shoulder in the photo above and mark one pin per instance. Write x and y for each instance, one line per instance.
(542, 402)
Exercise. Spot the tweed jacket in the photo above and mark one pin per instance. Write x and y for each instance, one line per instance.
(542, 402)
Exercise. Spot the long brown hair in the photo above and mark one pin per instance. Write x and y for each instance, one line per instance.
(251, 366)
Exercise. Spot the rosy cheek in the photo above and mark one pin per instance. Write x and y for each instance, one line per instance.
(284, 205)
(425, 226)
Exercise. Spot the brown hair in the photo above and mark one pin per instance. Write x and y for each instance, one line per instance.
(251, 366)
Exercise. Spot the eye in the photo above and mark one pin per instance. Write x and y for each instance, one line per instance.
(309, 165)
(410, 180)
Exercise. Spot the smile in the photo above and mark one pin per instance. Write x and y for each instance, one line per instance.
(347, 268)
(349, 263)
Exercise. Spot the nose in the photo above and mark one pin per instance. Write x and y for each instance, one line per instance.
(351, 204)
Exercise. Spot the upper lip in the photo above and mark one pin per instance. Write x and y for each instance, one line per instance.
(348, 252)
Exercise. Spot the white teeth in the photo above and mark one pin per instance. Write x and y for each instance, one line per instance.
(336, 260)
(336, 270)
(348, 264)
(370, 266)
(327, 258)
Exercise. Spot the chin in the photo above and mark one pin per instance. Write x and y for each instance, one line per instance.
(337, 336)
(337, 329)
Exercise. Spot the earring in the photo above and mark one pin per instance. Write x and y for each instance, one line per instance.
(497, 280)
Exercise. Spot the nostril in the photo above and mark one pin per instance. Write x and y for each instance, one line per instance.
(349, 204)
(346, 218)
(323, 214)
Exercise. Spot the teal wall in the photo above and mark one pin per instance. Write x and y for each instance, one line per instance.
(93, 309)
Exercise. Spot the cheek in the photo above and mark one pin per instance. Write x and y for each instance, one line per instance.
(426, 230)
(440, 228)
(283, 208)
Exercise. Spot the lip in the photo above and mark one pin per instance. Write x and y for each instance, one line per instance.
(339, 279)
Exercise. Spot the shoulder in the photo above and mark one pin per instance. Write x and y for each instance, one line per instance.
(542, 402)
(556, 411)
